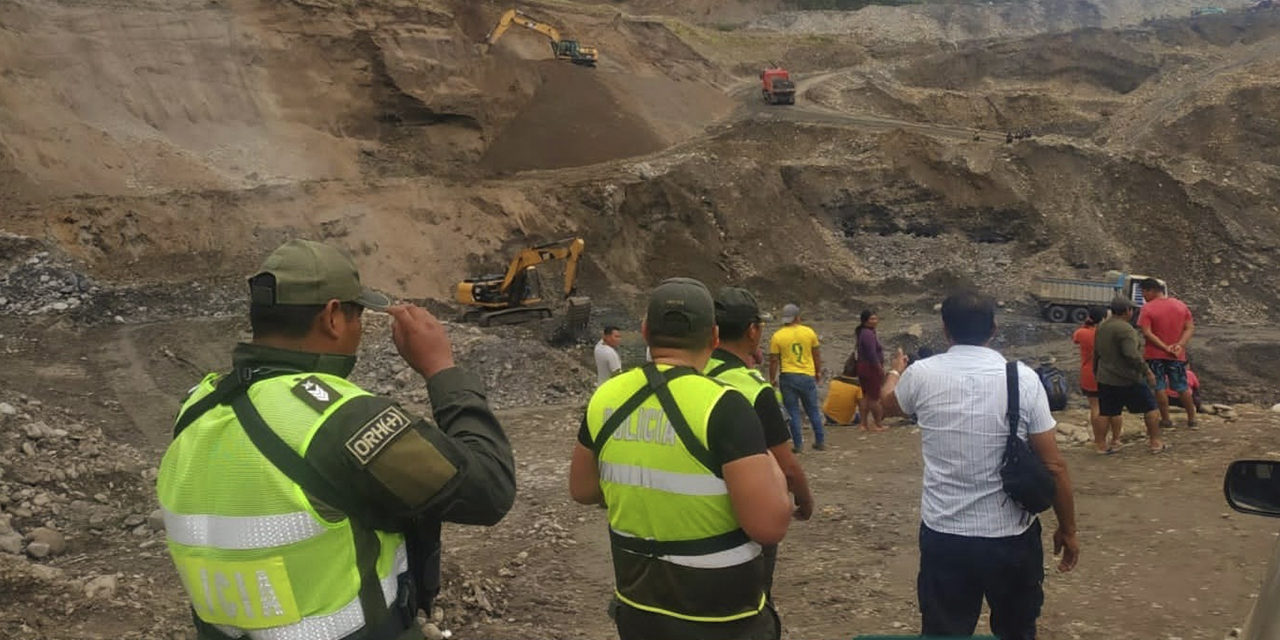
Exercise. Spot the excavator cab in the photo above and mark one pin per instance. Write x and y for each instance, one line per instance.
(573, 51)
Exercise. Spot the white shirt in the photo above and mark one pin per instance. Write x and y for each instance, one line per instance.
(960, 400)
(607, 362)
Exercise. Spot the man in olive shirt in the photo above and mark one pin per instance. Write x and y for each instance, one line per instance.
(1123, 376)
(287, 423)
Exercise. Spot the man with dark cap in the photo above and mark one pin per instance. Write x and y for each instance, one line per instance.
(1123, 376)
(738, 320)
(691, 488)
(298, 505)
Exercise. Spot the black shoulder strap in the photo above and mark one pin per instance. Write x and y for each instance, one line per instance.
(280, 454)
(658, 383)
(227, 386)
(720, 368)
(615, 420)
(1011, 380)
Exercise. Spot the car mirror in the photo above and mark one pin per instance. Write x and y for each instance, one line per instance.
(1253, 486)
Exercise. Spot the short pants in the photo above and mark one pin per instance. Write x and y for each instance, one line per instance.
(1087, 393)
(1169, 373)
(1137, 398)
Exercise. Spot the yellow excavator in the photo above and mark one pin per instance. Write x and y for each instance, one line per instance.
(516, 296)
(561, 48)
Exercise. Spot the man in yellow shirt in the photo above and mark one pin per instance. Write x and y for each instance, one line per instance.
(793, 349)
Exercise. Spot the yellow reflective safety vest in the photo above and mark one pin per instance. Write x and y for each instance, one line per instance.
(734, 373)
(677, 547)
(254, 556)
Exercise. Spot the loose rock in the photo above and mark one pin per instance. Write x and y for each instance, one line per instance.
(38, 550)
(432, 632)
(55, 541)
(156, 520)
(11, 543)
(101, 587)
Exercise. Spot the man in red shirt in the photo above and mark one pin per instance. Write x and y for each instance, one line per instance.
(1167, 325)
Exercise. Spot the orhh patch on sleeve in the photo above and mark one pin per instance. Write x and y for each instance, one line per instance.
(369, 440)
(316, 393)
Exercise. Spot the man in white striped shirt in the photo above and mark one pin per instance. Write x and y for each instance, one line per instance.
(974, 541)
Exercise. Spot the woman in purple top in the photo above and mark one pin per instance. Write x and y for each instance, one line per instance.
(870, 371)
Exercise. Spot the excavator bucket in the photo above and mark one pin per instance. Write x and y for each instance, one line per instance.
(574, 323)
(577, 316)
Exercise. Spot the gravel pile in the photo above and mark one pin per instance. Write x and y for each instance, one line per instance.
(39, 283)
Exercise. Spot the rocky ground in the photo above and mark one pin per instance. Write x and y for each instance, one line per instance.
(82, 555)
(153, 152)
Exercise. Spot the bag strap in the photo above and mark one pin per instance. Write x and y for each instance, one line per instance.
(1011, 381)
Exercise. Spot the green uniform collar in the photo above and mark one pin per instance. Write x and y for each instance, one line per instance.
(259, 359)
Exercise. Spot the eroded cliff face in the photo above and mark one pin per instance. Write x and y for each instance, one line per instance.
(180, 141)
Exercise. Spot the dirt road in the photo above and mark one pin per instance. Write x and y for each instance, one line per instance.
(807, 111)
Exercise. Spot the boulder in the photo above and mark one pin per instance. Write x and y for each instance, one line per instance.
(55, 541)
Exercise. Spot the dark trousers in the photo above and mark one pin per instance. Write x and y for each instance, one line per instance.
(634, 624)
(957, 572)
(770, 553)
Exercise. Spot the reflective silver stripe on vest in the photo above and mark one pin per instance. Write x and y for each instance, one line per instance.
(686, 484)
(339, 624)
(240, 532)
(741, 554)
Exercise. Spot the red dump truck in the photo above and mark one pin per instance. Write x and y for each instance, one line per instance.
(776, 86)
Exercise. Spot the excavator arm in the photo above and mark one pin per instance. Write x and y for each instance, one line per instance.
(569, 249)
(523, 19)
(541, 27)
(504, 23)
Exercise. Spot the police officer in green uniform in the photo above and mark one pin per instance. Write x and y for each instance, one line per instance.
(299, 506)
(692, 490)
(738, 320)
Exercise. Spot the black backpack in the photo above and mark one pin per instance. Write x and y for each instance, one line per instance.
(1025, 478)
(1055, 385)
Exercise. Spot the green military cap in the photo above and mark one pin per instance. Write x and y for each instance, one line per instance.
(736, 306)
(680, 307)
(1121, 304)
(304, 272)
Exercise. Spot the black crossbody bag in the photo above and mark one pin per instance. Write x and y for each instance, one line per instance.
(1026, 480)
